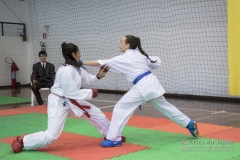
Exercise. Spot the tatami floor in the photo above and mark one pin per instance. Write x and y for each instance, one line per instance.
(149, 136)
(209, 112)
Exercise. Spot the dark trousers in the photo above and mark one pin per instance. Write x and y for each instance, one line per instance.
(36, 87)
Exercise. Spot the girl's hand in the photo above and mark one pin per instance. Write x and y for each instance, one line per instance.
(102, 72)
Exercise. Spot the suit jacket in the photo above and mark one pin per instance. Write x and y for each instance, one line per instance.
(38, 72)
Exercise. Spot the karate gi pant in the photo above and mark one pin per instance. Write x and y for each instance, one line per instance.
(57, 115)
(126, 106)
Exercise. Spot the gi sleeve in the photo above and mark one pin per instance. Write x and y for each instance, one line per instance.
(116, 64)
(70, 88)
(87, 77)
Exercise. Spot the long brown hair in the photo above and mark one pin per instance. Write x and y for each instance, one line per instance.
(135, 42)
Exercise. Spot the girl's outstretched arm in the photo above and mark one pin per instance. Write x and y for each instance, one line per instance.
(91, 63)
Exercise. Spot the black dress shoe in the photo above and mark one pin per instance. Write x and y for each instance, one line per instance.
(41, 103)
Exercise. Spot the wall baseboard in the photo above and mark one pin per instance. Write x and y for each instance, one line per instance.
(167, 95)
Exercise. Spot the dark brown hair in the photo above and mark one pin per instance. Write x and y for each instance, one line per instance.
(42, 52)
(135, 42)
(67, 50)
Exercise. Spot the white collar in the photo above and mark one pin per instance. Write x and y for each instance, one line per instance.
(130, 51)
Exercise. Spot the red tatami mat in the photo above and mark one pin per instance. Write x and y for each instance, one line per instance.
(22, 110)
(78, 147)
(143, 121)
(232, 134)
(12, 111)
(204, 129)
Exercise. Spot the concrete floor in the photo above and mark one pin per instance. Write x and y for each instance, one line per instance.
(211, 112)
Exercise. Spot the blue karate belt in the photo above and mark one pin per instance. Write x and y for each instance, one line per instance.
(141, 76)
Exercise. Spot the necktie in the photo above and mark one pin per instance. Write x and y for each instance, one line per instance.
(43, 67)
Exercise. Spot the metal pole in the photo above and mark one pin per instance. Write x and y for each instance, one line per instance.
(2, 29)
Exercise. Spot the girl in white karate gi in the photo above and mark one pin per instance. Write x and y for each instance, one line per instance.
(66, 97)
(135, 65)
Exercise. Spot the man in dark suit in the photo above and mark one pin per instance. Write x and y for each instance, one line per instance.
(43, 75)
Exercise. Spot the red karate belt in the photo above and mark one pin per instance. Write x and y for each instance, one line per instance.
(82, 107)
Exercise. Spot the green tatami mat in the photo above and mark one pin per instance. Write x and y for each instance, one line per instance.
(22, 124)
(172, 146)
(6, 154)
(161, 145)
(4, 100)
